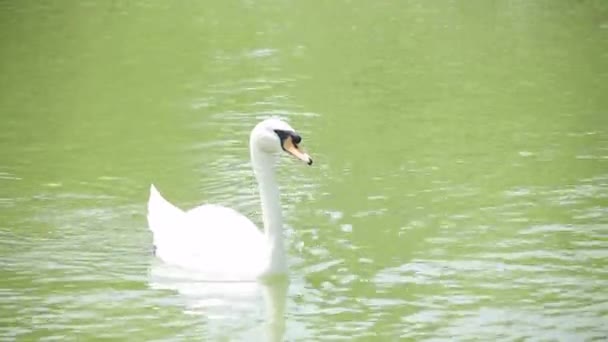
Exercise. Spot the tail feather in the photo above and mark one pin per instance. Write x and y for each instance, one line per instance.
(161, 213)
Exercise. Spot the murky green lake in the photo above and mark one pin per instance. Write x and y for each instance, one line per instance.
(459, 191)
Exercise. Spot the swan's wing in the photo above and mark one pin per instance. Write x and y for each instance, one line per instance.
(209, 237)
(219, 241)
(222, 227)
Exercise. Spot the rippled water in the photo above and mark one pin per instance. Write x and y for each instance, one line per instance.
(459, 189)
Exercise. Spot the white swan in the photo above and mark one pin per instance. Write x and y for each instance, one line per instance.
(220, 242)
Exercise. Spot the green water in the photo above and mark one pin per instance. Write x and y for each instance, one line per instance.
(459, 191)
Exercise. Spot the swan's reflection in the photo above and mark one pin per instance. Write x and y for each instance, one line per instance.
(230, 308)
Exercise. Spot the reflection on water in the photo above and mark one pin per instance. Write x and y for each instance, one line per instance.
(228, 308)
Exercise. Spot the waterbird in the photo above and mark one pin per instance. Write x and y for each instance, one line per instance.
(219, 241)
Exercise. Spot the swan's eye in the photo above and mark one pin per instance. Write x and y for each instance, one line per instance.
(296, 138)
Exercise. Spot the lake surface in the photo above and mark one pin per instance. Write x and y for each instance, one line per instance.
(459, 191)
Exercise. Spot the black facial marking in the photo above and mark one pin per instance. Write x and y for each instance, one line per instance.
(282, 134)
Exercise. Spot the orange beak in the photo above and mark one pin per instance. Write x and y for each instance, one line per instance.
(293, 149)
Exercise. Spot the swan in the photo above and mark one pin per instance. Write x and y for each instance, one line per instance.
(218, 241)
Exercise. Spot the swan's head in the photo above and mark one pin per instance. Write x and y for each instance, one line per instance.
(273, 136)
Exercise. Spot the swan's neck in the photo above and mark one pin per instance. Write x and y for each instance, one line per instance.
(264, 169)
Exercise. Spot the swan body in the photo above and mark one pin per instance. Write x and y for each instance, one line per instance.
(218, 241)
